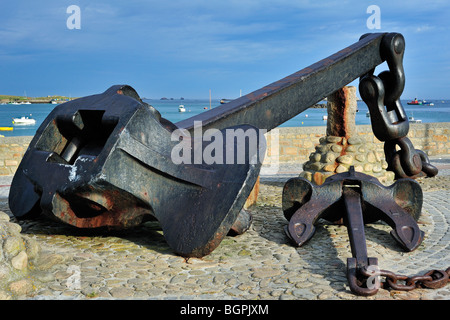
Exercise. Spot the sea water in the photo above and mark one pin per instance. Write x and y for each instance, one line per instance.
(439, 112)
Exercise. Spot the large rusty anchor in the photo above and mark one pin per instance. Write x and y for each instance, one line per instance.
(105, 160)
(354, 199)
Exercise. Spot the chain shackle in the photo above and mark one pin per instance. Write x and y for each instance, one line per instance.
(427, 167)
(386, 124)
(405, 162)
(390, 122)
(392, 51)
(388, 117)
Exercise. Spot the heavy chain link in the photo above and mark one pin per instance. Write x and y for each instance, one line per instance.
(390, 123)
(407, 162)
(433, 279)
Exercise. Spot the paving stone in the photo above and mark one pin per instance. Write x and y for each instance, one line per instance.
(121, 292)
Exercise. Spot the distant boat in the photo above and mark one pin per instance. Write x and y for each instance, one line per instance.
(24, 121)
(413, 120)
(223, 101)
(368, 114)
(181, 108)
(324, 117)
(428, 103)
(415, 102)
(6, 128)
(420, 102)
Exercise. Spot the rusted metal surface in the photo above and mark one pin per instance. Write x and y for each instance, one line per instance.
(341, 109)
(355, 199)
(433, 279)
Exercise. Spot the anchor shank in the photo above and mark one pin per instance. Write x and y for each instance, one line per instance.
(355, 228)
(274, 104)
(355, 225)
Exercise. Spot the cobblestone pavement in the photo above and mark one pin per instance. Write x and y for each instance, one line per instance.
(260, 264)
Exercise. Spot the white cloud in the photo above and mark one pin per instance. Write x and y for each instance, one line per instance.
(424, 28)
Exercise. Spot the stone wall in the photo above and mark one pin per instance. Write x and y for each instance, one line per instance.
(12, 150)
(295, 144)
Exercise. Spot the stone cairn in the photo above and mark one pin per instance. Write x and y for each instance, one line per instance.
(342, 147)
(23, 265)
(16, 251)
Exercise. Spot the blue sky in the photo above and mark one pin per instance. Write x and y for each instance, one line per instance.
(185, 48)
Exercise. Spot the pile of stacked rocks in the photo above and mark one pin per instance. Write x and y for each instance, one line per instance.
(342, 148)
(23, 265)
(17, 252)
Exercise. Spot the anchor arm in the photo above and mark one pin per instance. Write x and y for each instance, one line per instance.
(381, 203)
(404, 228)
(304, 204)
(301, 226)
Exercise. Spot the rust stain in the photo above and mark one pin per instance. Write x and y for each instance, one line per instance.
(318, 178)
(107, 209)
(344, 51)
(340, 110)
(327, 62)
(255, 96)
(304, 71)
